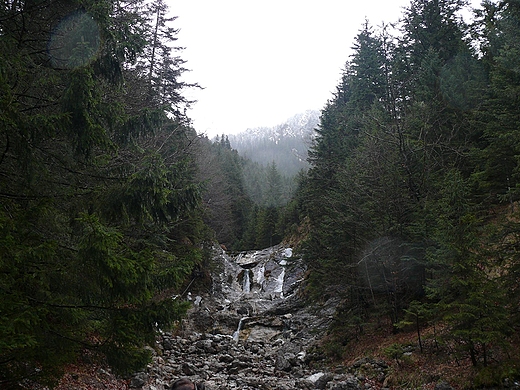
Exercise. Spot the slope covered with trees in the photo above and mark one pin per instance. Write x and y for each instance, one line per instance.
(108, 196)
(246, 205)
(412, 191)
(100, 221)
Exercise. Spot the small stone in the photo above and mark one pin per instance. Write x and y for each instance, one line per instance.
(139, 380)
(322, 381)
(167, 344)
(442, 385)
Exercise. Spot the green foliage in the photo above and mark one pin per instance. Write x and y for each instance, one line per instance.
(496, 376)
(227, 205)
(467, 295)
(347, 162)
(414, 150)
(267, 185)
(100, 219)
(267, 234)
(410, 198)
(397, 352)
(245, 202)
(333, 351)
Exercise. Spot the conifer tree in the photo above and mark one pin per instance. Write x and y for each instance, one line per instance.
(274, 186)
(338, 223)
(227, 203)
(267, 233)
(99, 218)
(417, 144)
(466, 293)
(497, 174)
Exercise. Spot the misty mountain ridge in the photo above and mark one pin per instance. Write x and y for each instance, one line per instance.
(286, 144)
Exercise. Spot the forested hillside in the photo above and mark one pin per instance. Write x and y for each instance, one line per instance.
(247, 205)
(100, 217)
(286, 144)
(110, 201)
(412, 194)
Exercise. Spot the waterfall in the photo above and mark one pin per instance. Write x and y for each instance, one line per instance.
(237, 332)
(259, 275)
(246, 283)
(278, 289)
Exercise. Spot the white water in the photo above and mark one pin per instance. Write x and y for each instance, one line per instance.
(255, 280)
(278, 289)
(246, 284)
(237, 332)
(259, 276)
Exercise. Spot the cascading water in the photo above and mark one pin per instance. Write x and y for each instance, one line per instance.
(236, 335)
(259, 276)
(246, 283)
(278, 289)
(251, 283)
(252, 330)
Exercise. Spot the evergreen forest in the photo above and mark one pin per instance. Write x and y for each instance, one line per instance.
(111, 203)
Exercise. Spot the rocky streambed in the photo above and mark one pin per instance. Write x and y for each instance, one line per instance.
(221, 363)
(252, 331)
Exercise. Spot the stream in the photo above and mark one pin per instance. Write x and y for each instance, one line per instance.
(253, 331)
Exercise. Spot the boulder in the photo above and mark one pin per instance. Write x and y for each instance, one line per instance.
(442, 385)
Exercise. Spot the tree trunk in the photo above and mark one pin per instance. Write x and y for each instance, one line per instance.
(419, 332)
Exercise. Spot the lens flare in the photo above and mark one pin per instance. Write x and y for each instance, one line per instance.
(75, 41)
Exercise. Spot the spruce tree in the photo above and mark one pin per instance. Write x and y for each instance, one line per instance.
(338, 225)
(274, 186)
(497, 174)
(99, 218)
(467, 294)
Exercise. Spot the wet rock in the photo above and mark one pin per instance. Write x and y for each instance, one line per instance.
(323, 380)
(349, 384)
(226, 358)
(167, 344)
(138, 380)
(282, 364)
(442, 385)
(244, 310)
(188, 369)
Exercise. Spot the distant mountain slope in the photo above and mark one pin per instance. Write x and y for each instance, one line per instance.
(286, 144)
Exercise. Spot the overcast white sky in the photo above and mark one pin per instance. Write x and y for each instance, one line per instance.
(263, 61)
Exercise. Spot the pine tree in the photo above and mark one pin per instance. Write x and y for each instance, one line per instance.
(466, 293)
(249, 239)
(497, 174)
(438, 84)
(274, 186)
(267, 234)
(338, 225)
(99, 213)
(227, 203)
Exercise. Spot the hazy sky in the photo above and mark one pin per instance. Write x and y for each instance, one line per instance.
(263, 61)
